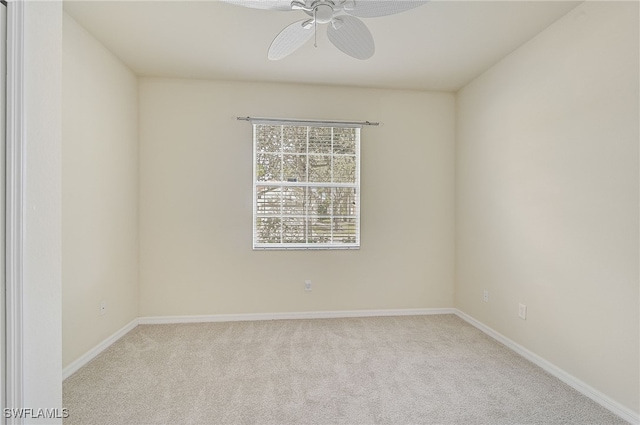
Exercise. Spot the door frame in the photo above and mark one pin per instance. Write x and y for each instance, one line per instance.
(3, 114)
(14, 208)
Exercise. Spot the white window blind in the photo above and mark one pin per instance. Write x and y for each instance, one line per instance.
(306, 192)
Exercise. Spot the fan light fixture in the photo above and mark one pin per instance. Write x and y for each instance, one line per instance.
(346, 31)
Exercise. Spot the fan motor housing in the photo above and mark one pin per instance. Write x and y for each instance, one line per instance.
(323, 13)
(321, 10)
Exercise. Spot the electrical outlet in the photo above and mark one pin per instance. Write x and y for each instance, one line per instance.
(522, 311)
(485, 296)
(103, 308)
(307, 285)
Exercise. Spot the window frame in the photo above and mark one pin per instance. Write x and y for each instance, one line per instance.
(328, 185)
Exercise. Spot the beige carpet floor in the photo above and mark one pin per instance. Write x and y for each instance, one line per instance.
(391, 370)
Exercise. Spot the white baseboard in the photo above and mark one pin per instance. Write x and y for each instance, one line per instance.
(595, 395)
(91, 354)
(157, 320)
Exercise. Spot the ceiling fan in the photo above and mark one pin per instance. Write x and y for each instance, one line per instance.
(344, 28)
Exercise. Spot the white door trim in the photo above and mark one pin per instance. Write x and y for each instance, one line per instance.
(3, 126)
(15, 157)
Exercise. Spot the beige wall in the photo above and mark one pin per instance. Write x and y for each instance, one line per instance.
(99, 192)
(547, 197)
(196, 200)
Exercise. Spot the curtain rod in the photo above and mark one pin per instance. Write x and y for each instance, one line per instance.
(281, 120)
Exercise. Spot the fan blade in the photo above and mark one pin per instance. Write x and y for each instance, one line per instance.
(289, 40)
(352, 37)
(375, 8)
(283, 5)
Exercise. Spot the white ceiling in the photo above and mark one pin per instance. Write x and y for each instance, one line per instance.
(439, 46)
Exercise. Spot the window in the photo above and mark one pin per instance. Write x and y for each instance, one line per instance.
(306, 192)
